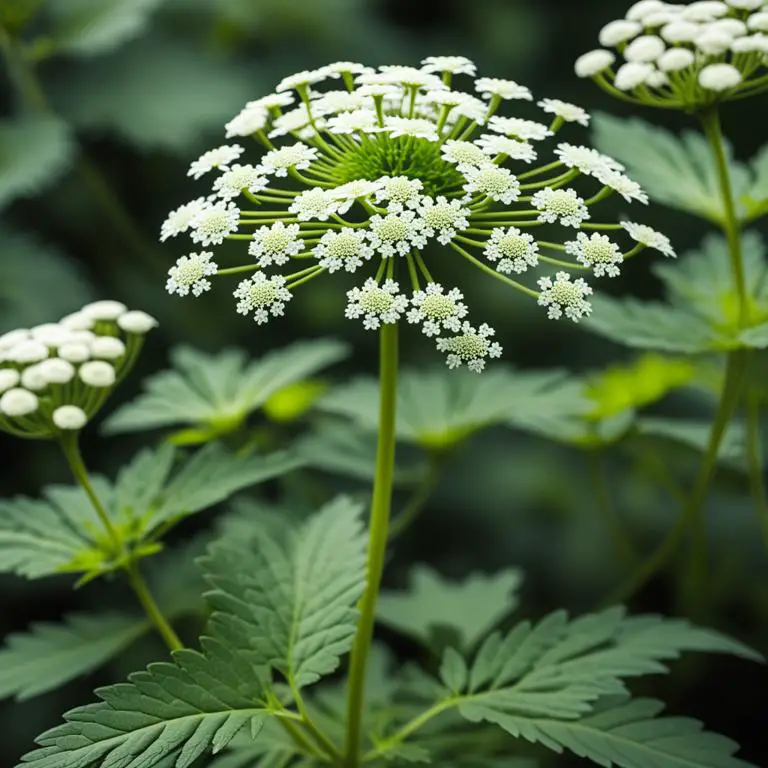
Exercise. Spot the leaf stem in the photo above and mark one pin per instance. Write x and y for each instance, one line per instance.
(378, 536)
(309, 725)
(150, 606)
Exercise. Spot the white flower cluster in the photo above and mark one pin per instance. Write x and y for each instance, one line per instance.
(55, 376)
(372, 173)
(673, 54)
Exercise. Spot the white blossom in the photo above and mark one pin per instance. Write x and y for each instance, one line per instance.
(214, 221)
(514, 250)
(252, 118)
(11, 338)
(32, 378)
(69, 417)
(456, 65)
(346, 249)
(656, 79)
(620, 31)
(494, 144)
(181, 219)
(470, 347)
(51, 334)
(498, 184)
(589, 161)
(275, 244)
(97, 373)
(57, 371)
(364, 120)
(191, 273)
(9, 378)
(396, 233)
(565, 111)
(220, 157)
(460, 103)
(564, 296)
(443, 218)
(231, 183)
(593, 63)
(400, 192)
(746, 5)
(26, 352)
(290, 122)
(630, 190)
(437, 310)
(107, 348)
(562, 205)
(646, 48)
(682, 31)
(303, 79)
(273, 101)
(713, 42)
(76, 321)
(356, 189)
(751, 44)
(704, 10)
(758, 22)
(332, 102)
(106, 309)
(410, 77)
(136, 322)
(719, 77)
(406, 126)
(676, 59)
(315, 203)
(261, 296)
(519, 128)
(464, 154)
(294, 156)
(649, 237)
(597, 252)
(504, 89)
(75, 352)
(376, 304)
(18, 402)
(632, 74)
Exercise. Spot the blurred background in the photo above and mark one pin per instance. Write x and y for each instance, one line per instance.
(99, 122)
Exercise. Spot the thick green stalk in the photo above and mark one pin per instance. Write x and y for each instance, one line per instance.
(71, 449)
(377, 538)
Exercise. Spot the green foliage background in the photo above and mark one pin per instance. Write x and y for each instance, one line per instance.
(138, 88)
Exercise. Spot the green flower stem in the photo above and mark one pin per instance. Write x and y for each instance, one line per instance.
(560, 263)
(541, 169)
(692, 509)
(378, 536)
(237, 270)
(299, 738)
(755, 463)
(71, 449)
(607, 227)
(422, 266)
(710, 120)
(493, 273)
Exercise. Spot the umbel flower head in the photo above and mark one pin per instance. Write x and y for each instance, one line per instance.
(56, 376)
(679, 56)
(363, 171)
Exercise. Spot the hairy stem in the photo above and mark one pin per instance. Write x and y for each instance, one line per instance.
(378, 536)
(71, 449)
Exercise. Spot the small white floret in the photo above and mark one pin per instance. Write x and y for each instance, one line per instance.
(620, 31)
(262, 296)
(676, 59)
(220, 157)
(97, 373)
(275, 244)
(719, 77)
(74, 352)
(70, 418)
(9, 378)
(593, 63)
(18, 402)
(565, 296)
(57, 371)
(376, 304)
(26, 352)
(107, 348)
(632, 74)
(471, 347)
(190, 274)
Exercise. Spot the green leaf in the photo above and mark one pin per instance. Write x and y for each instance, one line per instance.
(49, 655)
(34, 151)
(220, 391)
(694, 434)
(755, 197)
(470, 608)
(273, 748)
(628, 735)
(92, 27)
(408, 753)
(62, 533)
(37, 282)
(290, 604)
(439, 408)
(173, 710)
(676, 171)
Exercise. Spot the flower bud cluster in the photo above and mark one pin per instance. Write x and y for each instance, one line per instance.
(683, 56)
(55, 377)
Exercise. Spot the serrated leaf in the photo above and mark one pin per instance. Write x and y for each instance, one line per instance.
(179, 709)
(408, 753)
(49, 655)
(755, 198)
(439, 408)
(273, 748)
(62, 533)
(220, 391)
(92, 27)
(37, 282)
(676, 171)
(453, 670)
(34, 151)
(470, 608)
(629, 735)
(291, 603)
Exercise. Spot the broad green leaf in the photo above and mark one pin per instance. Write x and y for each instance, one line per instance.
(755, 197)
(290, 604)
(62, 532)
(272, 748)
(49, 655)
(218, 392)
(627, 735)
(694, 434)
(37, 282)
(470, 608)
(92, 27)
(676, 171)
(439, 408)
(34, 151)
(113, 97)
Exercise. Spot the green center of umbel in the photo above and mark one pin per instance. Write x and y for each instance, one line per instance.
(404, 156)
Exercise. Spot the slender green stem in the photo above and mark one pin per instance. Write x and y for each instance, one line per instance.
(71, 449)
(309, 725)
(755, 463)
(151, 608)
(420, 497)
(692, 509)
(377, 540)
